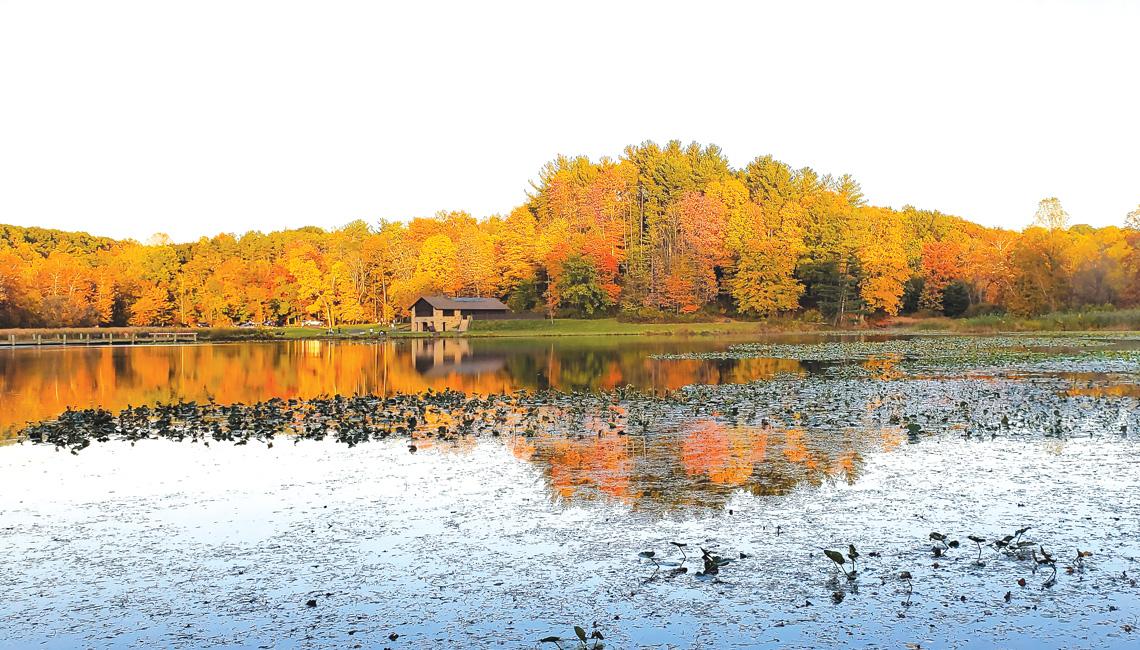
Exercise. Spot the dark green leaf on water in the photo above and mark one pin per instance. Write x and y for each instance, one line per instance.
(953, 543)
(975, 539)
(679, 544)
(647, 554)
(834, 556)
(580, 632)
(550, 639)
(938, 537)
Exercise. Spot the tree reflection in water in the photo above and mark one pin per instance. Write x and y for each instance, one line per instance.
(701, 462)
(38, 384)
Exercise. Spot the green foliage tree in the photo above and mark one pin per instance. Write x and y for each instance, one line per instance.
(955, 299)
(578, 291)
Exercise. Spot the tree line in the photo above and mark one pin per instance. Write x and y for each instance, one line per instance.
(660, 232)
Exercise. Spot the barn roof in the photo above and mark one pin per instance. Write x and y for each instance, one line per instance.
(472, 304)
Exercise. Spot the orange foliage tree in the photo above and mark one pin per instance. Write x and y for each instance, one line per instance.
(663, 230)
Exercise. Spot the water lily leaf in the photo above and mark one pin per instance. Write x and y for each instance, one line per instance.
(835, 556)
(580, 633)
(647, 554)
(550, 639)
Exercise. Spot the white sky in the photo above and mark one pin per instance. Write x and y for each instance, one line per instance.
(126, 118)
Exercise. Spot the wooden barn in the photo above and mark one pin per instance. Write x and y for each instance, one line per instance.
(443, 314)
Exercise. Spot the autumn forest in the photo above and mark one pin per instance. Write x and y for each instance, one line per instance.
(662, 232)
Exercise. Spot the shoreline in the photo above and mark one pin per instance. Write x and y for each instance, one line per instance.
(1066, 323)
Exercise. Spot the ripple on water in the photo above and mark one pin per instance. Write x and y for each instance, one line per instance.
(169, 545)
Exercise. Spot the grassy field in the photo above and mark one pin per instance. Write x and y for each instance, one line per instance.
(1119, 320)
(613, 327)
(480, 329)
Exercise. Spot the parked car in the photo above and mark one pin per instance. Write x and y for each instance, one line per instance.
(313, 323)
(247, 325)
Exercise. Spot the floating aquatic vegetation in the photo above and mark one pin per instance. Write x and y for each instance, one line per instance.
(895, 358)
(351, 420)
(1045, 559)
(841, 561)
(581, 640)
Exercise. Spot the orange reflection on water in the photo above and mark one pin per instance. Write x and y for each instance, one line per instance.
(38, 384)
(722, 454)
(700, 462)
(884, 368)
(602, 463)
(1111, 390)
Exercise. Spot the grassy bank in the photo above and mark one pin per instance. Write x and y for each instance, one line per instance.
(614, 327)
(483, 329)
(1118, 320)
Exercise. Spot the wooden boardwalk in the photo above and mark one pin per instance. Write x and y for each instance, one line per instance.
(109, 338)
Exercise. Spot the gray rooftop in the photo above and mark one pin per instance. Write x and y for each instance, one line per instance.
(460, 302)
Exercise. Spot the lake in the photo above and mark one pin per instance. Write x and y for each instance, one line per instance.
(562, 498)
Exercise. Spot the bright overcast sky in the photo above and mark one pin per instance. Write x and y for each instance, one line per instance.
(127, 118)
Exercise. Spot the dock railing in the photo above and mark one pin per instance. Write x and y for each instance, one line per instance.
(108, 338)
